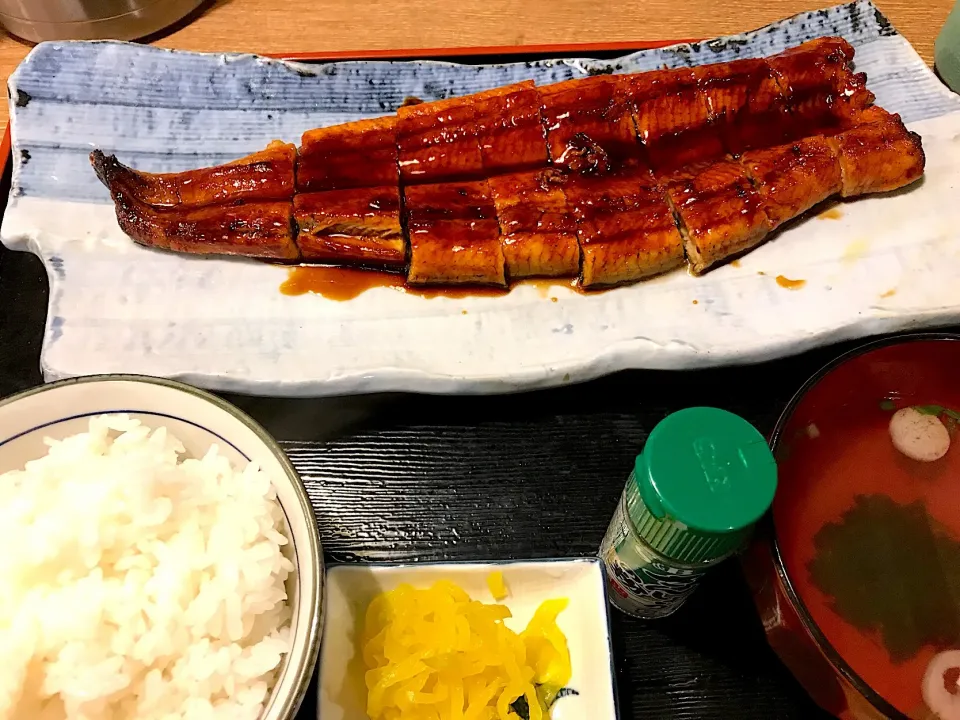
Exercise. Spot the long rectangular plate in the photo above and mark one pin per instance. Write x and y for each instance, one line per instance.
(873, 265)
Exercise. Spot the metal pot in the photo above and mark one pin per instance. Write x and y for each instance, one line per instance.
(39, 20)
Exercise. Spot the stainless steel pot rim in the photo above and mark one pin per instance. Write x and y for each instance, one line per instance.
(76, 20)
(83, 12)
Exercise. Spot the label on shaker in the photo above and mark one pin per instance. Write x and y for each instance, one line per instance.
(640, 583)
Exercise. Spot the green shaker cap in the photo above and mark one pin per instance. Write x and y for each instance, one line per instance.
(705, 477)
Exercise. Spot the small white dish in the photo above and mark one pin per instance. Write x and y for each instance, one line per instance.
(585, 622)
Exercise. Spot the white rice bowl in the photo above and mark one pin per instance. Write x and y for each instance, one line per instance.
(136, 583)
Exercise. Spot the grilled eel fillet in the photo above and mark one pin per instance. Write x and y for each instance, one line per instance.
(612, 178)
(242, 208)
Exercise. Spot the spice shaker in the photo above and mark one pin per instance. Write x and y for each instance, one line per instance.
(704, 478)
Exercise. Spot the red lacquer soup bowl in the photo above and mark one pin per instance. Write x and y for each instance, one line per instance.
(857, 578)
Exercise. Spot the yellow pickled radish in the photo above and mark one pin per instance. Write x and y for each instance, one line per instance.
(498, 586)
(548, 645)
(435, 654)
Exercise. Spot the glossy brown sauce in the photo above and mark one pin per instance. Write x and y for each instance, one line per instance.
(747, 104)
(355, 155)
(455, 291)
(342, 283)
(789, 284)
(335, 283)
(509, 129)
(697, 145)
(531, 202)
(437, 142)
(570, 108)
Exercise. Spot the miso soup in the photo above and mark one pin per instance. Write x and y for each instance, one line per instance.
(867, 520)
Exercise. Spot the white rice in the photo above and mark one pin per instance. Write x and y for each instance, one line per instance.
(135, 584)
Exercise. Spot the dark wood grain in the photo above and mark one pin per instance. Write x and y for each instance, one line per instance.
(399, 477)
(538, 487)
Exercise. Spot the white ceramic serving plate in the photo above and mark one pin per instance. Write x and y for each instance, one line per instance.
(585, 622)
(874, 265)
(199, 420)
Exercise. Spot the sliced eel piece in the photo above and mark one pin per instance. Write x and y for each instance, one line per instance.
(356, 154)
(588, 124)
(357, 226)
(625, 228)
(720, 212)
(258, 229)
(438, 142)
(265, 175)
(746, 104)
(454, 236)
(538, 233)
(509, 128)
(878, 154)
(673, 119)
(821, 89)
(794, 177)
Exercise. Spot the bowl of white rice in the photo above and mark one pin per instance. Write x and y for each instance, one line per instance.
(159, 558)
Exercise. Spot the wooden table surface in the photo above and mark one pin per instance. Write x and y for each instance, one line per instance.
(297, 26)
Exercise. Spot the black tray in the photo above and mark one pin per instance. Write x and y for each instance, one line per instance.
(418, 477)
